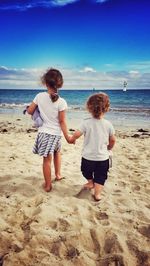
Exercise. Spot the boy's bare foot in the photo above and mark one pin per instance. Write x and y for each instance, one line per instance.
(97, 197)
(89, 185)
(97, 191)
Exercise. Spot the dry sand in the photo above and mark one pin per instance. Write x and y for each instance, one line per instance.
(66, 228)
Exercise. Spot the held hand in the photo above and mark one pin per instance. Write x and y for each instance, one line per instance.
(71, 140)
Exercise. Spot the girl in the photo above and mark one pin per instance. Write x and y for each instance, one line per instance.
(98, 140)
(52, 111)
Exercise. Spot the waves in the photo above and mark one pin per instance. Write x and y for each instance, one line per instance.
(124, 109)
(127, 109)
(13, 105)
(131, 110)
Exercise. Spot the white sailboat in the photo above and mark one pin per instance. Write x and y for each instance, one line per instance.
(125, 86)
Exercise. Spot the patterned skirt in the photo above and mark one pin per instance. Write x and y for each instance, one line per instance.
(46, 144)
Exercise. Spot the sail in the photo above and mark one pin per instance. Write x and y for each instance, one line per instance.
(125, 85)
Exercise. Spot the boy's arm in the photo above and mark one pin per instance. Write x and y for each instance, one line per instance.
(77, 134)
(31, 108)
(112, 141)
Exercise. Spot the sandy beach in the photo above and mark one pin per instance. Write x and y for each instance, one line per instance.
(65, 227)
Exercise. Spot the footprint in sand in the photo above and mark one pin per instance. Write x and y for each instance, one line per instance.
(62, 225)
(136, 188)
(56, 248)
(117, 192)
(142, 217)
(60, 250)
(96, 243)
(25, 226)
(72, 252)
(113, 260)
(141, 256)
(6, 178)
(36, 211)
(145, 231)
(112, 244)
(122, 184)
(102, 216)
(38, 201)
(25, 189)
(1, 260)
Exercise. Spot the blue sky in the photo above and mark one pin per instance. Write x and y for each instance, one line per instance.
(95, 43)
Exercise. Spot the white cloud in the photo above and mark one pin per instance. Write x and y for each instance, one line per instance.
(139, 66)
(86, 78)
(16, 5)
(109, 65)
(19, 78)
(101, 1)
(28, 4)
(134, 72)
(62, 2)
(87, 69)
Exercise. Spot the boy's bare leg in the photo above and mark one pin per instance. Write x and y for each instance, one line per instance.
(57, 165)
(47, 172)
(97, 191)
(89, 184)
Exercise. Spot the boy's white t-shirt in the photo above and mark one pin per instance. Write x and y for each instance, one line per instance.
(96, 138)
(49, 112)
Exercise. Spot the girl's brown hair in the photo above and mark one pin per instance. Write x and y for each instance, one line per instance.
(53, 79)
(98, 104)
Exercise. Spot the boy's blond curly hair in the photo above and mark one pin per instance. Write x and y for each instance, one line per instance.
(98, 104)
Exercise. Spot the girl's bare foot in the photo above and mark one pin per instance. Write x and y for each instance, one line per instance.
(58, 178)
(47, 188)
(89, 185)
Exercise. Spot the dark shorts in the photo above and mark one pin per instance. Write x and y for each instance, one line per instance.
(96, 170)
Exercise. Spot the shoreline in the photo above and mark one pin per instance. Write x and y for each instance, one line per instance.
(73, 122)
(63, 227)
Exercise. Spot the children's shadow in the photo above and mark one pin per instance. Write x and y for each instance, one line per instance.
(84, 193)
(76, 191)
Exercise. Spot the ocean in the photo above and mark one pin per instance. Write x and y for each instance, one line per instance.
(130, 108)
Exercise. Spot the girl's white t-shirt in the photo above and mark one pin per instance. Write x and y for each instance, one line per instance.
(49, 112)
(96, 138)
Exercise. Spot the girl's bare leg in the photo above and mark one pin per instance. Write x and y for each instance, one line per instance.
(57, 165)
(47, 172)
(97, 191)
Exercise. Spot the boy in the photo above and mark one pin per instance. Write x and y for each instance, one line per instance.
(98, 140)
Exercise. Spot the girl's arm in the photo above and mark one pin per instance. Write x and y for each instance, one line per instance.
(112, 141)
(63, 124)
(31, 108)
